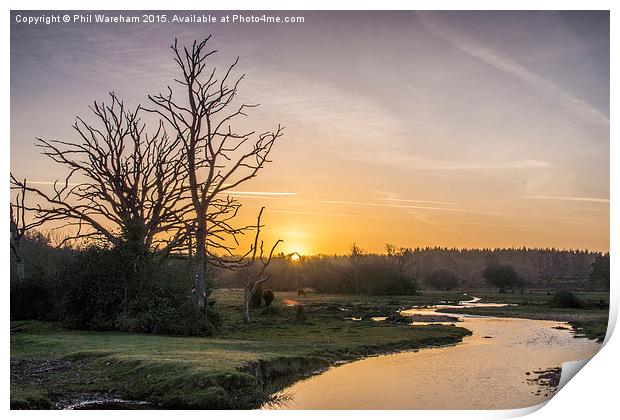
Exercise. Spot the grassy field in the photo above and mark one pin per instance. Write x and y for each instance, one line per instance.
(237, 368)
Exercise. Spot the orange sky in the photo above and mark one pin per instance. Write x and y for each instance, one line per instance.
(432, 129)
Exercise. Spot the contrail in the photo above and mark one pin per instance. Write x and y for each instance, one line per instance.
(567, 198)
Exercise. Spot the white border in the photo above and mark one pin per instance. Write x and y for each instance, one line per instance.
(592, 395)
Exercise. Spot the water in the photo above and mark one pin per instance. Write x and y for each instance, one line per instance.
(495, 368)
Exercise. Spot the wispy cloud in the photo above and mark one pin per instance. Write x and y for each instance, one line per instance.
(393, 196)
(262, 193)
(404, 206)
(319, 213)
(238, 194)
(406, 200)
(567, 198)
(501, 225)
(463, 210)
(415, 162)
(570, 102)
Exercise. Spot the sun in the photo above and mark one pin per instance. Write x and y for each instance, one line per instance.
(295, 257)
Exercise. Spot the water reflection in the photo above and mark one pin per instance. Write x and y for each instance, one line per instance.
(506, 363)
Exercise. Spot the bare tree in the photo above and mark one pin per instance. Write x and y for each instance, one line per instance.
(253, 279)
(122, 185)
(19, 228)
(218, 159)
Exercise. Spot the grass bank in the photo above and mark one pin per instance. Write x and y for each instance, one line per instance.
(236, 369)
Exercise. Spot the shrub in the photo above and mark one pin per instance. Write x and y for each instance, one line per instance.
(565, 299)
(123, 289)
(96, 287)
(442, 279)
(504, 277)
(31, 300)
(600, 271)
(38, 295)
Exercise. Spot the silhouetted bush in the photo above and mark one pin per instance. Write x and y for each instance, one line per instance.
(565, 299)
(600, 271)
(32, 300)
(98, 282)
(38, 295)
(504, 277)
(442, 279)
(126, 290)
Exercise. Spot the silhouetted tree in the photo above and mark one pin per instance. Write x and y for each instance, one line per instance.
(255, 280)
(122, 185)
(442, 279)
(218, 159)
(600, 270)
(504, 277)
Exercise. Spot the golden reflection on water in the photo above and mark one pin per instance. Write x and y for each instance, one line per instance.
(487, 371)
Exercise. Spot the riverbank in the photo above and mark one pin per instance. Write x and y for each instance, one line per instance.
(589, 321)
(239, 368)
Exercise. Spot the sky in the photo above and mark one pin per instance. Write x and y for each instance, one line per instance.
(453, 129)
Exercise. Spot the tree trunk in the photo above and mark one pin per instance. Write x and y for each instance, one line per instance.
(19, 262)
(247, 296)
(21, 272)
(199, 264)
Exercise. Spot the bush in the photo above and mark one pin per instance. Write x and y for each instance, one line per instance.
(97, 285)
(600, 271)
(151, 296)
(38, 295)
(31, 300)
(565, 299)
(504, 277)
(442, 279)
(375, 275)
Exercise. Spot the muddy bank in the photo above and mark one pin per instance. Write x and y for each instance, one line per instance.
(30, 372)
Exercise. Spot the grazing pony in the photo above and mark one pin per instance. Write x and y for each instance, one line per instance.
(268, 297)
(301, 292)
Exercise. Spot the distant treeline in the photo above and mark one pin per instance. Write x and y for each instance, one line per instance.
(91, 289)
(539, 268)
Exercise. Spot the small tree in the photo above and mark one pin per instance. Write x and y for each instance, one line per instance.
(442, 279)
(600, 271)
(504, 277)
(254, 281)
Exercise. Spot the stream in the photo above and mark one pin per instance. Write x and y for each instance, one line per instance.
(505, 363)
